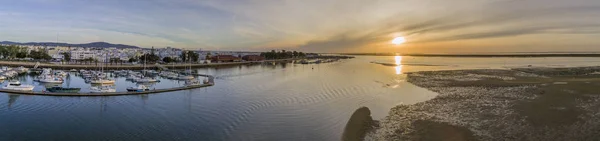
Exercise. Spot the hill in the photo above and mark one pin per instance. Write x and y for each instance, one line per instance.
(93, 44)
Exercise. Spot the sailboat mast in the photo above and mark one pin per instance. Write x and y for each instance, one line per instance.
(145, 59)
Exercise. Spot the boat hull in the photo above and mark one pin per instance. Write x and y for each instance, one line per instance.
(63, 90)
(19, 88)
(103, 82)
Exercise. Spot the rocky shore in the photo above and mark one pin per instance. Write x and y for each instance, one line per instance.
(516, 104)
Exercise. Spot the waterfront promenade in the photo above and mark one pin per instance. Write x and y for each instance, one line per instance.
(128, 66)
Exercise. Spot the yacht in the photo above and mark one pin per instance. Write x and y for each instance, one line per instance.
(50, 79)
(132, 77)
(146, 80)
(192, 82)
(16, 85)
(185, 77)
(102, 81)
(138, 88)
(102, 89)
(172, 76)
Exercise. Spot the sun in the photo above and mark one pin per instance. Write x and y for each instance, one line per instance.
(398, 40)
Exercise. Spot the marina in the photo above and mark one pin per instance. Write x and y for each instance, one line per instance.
(82, 82)
(104, 93)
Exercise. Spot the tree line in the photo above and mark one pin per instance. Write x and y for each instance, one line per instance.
(283, 54)
(14, 52)
(151, 57)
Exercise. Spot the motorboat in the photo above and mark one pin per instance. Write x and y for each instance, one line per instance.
(2, 77)
(16, 85)
(102, 89)
(132, 77)
(146, 80)
(173, 76)
(192, 82)
(102, 81)
(50, 79)
(73, 70)
(57, 89)
(138, 88)
(185, 77)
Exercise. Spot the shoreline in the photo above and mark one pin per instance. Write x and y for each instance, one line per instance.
(493, 104)
(485, 55)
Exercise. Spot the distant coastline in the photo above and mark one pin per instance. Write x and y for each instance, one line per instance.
(484, 55)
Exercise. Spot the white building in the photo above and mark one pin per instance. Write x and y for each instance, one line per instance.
(82, 54)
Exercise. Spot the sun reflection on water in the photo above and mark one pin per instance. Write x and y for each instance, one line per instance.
(398, 67)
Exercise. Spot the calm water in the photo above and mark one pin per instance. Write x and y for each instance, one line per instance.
(256, 102)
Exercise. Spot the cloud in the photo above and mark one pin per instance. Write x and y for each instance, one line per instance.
(308, 25)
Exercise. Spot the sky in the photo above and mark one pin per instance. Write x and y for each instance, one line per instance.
(337, 26)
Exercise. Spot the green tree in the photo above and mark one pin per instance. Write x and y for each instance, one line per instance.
(184, 56)
(193, 56)
(66, 56)
(114, 60)
(132, 59)
(208, 55)
(150, 58)
(168, 60)
(39, 55)
(301, 54)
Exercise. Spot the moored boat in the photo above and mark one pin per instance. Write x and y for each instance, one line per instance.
(146, 80)
(185, 77)
(138, 88)
(192, 82)
(51, 80)
(16, 85)
(102, 89)
(57, 89)
(102, 81)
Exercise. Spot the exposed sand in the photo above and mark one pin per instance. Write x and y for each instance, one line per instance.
(517, 104)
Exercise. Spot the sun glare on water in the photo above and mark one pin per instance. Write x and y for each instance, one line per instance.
(398, 40)
(398, 60)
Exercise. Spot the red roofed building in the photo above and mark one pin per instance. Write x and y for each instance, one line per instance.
(225, 58)
(253, 58)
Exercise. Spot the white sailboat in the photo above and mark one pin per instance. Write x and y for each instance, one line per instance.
(189, 71)
(101, 79)
(145, 78)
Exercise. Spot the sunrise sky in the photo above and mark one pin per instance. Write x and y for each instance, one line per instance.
(429, 26)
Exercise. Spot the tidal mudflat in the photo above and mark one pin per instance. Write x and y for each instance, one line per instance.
(513, 104)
